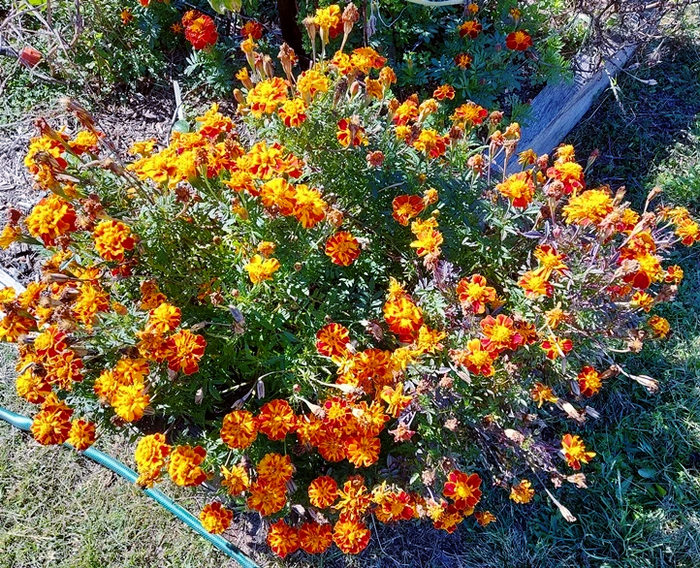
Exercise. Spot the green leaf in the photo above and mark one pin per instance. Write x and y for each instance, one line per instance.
(646, 472)
(181, 126)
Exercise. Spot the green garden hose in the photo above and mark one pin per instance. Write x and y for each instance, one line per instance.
(24, 423)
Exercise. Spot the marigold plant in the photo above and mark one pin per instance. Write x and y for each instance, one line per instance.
(430, 333)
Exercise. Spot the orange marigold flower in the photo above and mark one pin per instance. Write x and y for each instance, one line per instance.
(50, 342)
(235, 480)
(484, 518)
(332, 447)
(351, 536)
(475, 293)
(323, 491)
(112, 239)
(405, 207)
(406, 112)
(471, 28)
(518, 188)
(541, 393)
(252, 29)
(674, 274)
(151, 452)
(550, 261)
(276, 419)
(688, 230)
(500, 333)
(52, 424)
(164, 319)
(444, 92)
(469, 115)
(283, 539)
(186, 349)
(332, 340)
(293, 113)
(14, 325)
(52, 217)
(342, 248)
(212, 123)
(403, 317)
(464, 60)
(556, 347)
(275, 468)
(239, 429)
(32, 387)
(278, 192)
(215, 518)
(575, 451)
(588, 208)
(350, 132)
(463, 489)
(311, 82)
(267, 96)
(126, 16)
(362, 451)
(184, 467)
(309, 207)
(518, 41)
(431, 143)
(130, 401)
(589, 381)
(659, 326)
(535, 284)
(266, 498)
(9, 235)
(477, 358)
(200, 29)
(260, 269)
(446, 517)
(315, 538)
(395, 399)
(522, 493)
(568, 173)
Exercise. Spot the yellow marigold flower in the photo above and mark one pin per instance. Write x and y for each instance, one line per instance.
(542, 393)
(403, 317)
(216, 518)
(565, 153)
(85, 141)
(575, 451)
(150, 456)
(32, 387)
(353, 499)
(82, 434)
(112, 239)
(52, 217)
(469, 115)
(642, 300)
(309, 207)
(555, 317)
(568, 173)
(293, 113)
(535, 284)
(52, 424)
(688, 230)
(363, 59)
(91, 300)
(9, 235)
(428, 238)
(130, 401)
(312, 82)
(144, 147)
(14, 325)
(588, 208)
(518, 188)
(431, 143)
(279, 193)
(527, 157)
(212, 123)
(476, 358)
(266, 248)
(362, 451)
(429, 340)
(550, 261)
(184, 467)
(475, 293)
(522, 493)
(659, 326)
(164, 318)
(131, 371)
(235, 480)
(259, 269)
(267, 96)
(674, 274)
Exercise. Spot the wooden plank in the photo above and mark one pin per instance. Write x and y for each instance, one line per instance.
(560, 106)
(8, 281)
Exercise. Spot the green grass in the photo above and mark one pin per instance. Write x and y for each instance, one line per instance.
(642, 507)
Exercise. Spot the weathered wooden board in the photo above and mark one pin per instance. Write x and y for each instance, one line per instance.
(7, 281)
(560, 106)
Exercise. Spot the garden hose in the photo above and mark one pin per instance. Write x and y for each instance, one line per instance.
(24, 423)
